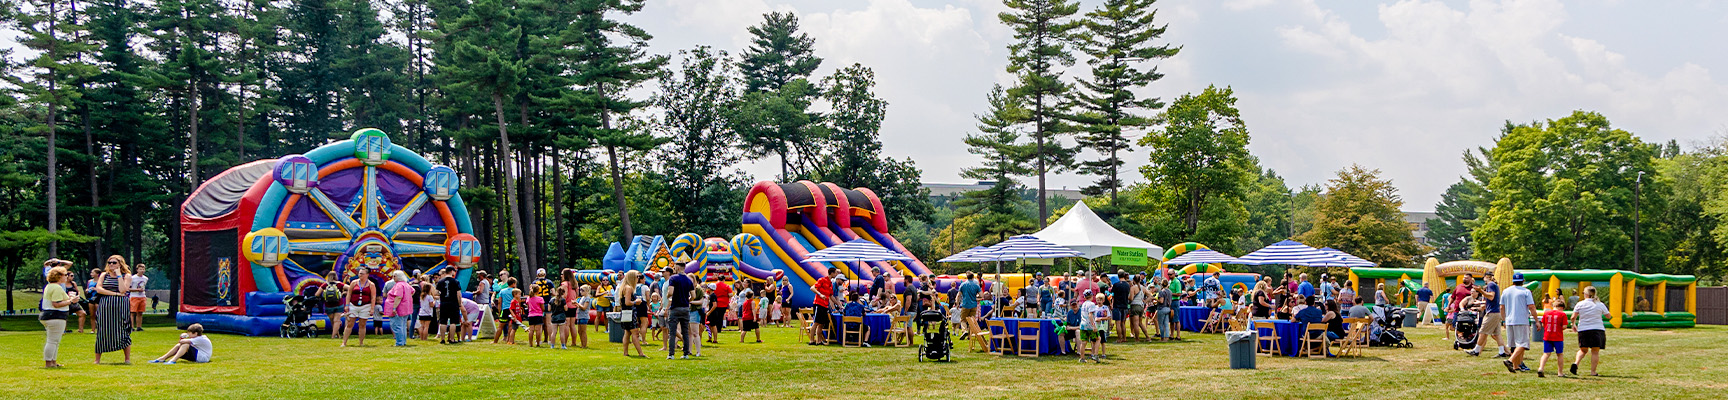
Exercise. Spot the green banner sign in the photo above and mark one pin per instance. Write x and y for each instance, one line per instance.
(1127, 256)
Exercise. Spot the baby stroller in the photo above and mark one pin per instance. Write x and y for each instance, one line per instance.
(298, 323)
(936, 344)
(1467, 323)
(1387, 321)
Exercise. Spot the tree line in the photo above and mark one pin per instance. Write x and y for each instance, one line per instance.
(568, 133)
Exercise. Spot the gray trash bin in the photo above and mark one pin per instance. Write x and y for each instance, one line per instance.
(1410, 318)
(1241, 345)
(614, 333)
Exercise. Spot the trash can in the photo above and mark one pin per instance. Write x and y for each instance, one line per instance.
(1411, 318)
(1241, 345)
(614, 333)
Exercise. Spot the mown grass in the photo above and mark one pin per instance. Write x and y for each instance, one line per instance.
(1688, 363)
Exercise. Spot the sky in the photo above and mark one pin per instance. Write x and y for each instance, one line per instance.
(1404, 87)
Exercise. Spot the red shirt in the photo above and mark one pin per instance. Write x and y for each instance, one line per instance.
(1458, 294)
(1553, 326)
(748, 313)
(723, 292)
(824, 288)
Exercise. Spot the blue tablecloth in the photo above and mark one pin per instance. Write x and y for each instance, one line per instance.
(1048, 341)
(1289, 336)
(878, 324)
(1193, 317)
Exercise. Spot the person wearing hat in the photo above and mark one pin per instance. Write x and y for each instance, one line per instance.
(1518, 305)
(1328, 288)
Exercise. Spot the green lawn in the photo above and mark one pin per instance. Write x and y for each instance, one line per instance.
(1689, 363)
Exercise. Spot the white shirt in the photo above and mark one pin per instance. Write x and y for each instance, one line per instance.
(1087, 310)
(202, 343)
(1589, 313)
(138, 282)
(1514, 303)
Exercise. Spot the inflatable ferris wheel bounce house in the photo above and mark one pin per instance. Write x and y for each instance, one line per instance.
(270, 229)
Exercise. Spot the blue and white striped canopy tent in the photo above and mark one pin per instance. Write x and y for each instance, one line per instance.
(1024, 247)
(1201, 256)
(968, 255)
(855, 251)
(1290, 252)
(1350, 260)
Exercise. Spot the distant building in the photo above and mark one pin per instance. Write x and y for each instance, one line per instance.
(1418, 221)
(951, 190)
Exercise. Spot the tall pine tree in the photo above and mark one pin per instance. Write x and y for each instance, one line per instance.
(1043, 30)
(1118, 37)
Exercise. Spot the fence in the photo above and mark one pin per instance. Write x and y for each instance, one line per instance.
(1713, 305)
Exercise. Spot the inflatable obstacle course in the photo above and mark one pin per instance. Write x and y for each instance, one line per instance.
(1634, 300)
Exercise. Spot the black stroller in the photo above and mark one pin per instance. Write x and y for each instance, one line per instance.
(1468, 324)
(298, 324)
(1386, 332)
(936, 344)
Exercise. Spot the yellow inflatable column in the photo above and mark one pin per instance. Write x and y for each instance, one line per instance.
(1615, 306)
(1503, 272)
(1692, 299)
(1354, 287)
(1553, 286)
(1662, 297)
(1431, 277)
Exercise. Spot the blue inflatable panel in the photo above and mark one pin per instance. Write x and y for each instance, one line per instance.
(230, 323)
(254, 299)
(273, 310)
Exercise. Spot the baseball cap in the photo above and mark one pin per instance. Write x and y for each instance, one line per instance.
(1517, 277)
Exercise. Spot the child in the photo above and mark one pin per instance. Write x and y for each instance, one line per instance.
(656, 323)
(536, 317)
(583, 304)
(855, 308)
(1089, 327)
(428, 302)
(193, 346)
(747, 315)
(1553, 337)
(555, 322)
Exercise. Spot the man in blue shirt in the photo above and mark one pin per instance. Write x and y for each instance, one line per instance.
(1424, 296)
(969, 304)
(1213, 287)
(855, 308)
(1492, 317)
(678, 287)
(1305, 289)
(1327, 289)
(1518, 305)
(1309, 315)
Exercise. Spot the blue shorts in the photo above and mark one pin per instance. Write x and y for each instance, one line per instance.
(1554, 346)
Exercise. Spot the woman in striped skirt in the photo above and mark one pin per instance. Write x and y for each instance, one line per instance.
(113, 325)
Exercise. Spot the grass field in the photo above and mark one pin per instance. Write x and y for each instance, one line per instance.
(1688, 363)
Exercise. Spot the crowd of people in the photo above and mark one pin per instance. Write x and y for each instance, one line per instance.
(670, 306)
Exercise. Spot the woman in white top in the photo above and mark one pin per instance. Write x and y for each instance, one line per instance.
(56, 301)
(1592, 335)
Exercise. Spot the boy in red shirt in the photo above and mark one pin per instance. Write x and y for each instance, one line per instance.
(1553, 337)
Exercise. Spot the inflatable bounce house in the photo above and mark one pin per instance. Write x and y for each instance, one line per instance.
(1243, 281)
(1634, 300)
(710, 259)
(792, 220)
(260, 232)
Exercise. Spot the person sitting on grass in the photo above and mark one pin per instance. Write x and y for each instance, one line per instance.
(1553, 337)
(193, 346)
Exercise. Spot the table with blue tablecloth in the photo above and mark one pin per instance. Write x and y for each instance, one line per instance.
(1193, 317)
(1048, 341)
(877, 323)
(1289, 335)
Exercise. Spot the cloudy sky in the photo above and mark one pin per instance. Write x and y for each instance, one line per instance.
(1404, 87)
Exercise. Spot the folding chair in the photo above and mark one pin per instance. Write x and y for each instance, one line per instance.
(847, 325)
(1268, 343)
(1315, 335)
(1355, 337)
(1006, 338)
(899, 333)
(1036, 338)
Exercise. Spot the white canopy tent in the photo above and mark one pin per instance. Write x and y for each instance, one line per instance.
(1081, 229)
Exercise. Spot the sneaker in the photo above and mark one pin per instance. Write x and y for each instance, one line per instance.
(1574, 369)
(155, 361)
(169, 363)
(668, 356)
(1509, 367)
(1502, 355)
(1473, 353)
(1523, 368)
(684, 357)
